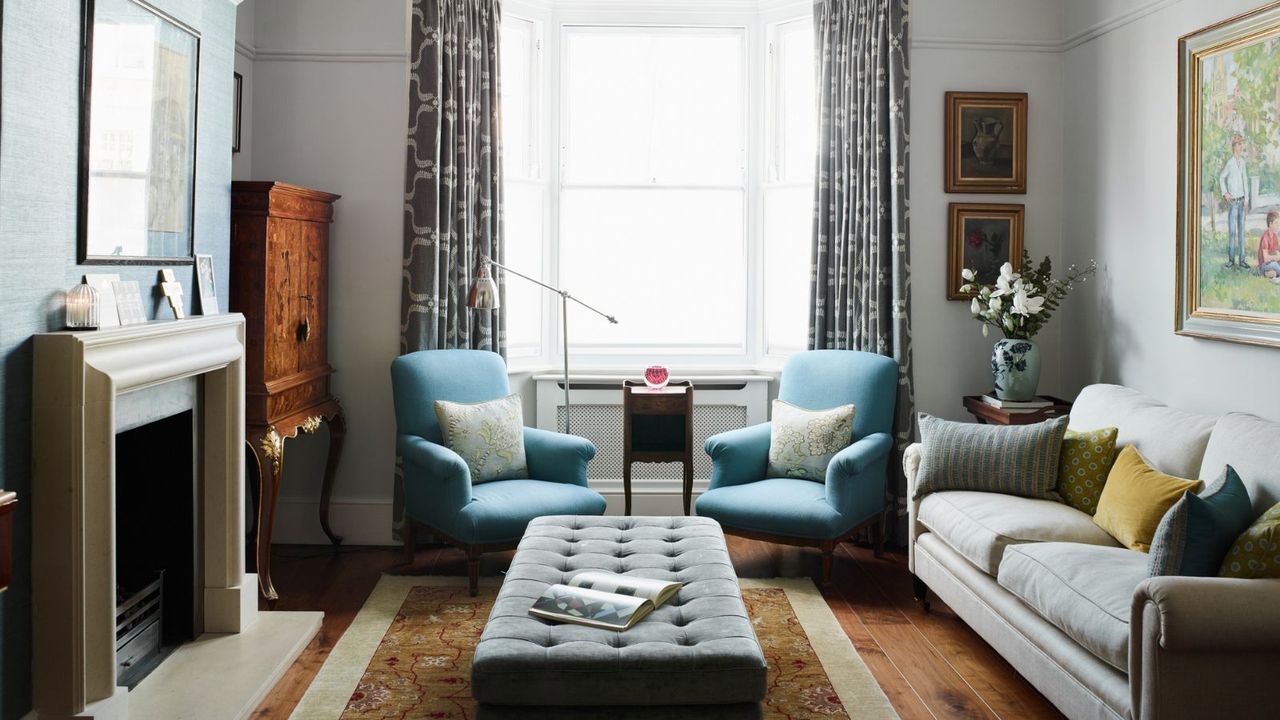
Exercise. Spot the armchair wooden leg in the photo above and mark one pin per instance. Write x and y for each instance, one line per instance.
(828, 548)
(410, 542)
(921, 592)
(473, 570)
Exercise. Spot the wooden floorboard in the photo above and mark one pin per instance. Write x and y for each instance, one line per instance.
(930, 665)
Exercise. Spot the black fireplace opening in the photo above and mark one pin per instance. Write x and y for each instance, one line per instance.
(157, 565)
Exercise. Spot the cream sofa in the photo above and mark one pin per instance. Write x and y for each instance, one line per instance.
(1077, 614)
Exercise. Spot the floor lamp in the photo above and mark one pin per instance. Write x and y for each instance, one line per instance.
(484, 296)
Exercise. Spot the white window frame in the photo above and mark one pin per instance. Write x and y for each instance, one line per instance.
(757, 25)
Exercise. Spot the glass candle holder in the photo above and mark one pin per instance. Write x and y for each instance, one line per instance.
(82, 308)
(656, 377)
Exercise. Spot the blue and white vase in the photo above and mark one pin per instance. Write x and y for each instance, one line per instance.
(1015, 369)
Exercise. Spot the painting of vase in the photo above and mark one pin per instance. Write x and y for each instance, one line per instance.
(986, 142)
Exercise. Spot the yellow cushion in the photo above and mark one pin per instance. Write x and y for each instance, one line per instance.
(1136, 497)
(1083, 466)
(1256, 553)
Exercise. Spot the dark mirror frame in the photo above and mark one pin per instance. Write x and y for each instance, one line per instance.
(86, 87)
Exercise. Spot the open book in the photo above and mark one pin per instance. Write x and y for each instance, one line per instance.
(603, 600)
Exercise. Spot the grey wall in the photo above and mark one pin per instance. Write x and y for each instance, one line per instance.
(39, 121)
(1119, 197)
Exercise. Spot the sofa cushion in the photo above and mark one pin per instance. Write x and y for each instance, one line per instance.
(1172, 440)
(981, 525)
(1136, 497)
(1256, 553)
(1198, 530)
(1086, 459)
(1016, 459)
(1083, 590)
(1249, 444)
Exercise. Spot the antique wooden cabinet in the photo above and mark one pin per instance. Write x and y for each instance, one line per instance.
(280, 282)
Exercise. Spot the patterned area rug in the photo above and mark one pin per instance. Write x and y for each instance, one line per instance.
(408, 655)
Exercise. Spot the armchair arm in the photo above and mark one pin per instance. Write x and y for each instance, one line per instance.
(857, 478)
(433, 474)
(1192, 633)
(557, 457)
(739, 456)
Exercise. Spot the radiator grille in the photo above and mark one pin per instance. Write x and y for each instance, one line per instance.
(602, 425)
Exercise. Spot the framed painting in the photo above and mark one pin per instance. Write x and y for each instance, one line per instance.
(986, 142)
(139, 79)
(1228, 237)
(981, 237)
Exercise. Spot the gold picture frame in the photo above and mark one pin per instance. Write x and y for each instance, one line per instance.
(986, 142)
(1229, 142)
(982, 237)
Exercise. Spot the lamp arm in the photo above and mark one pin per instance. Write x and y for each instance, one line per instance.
(562, 293)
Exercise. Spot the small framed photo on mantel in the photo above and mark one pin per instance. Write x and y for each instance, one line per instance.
(982, 237)
(986, 142)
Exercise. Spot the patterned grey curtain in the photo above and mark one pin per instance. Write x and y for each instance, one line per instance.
(453, 181)
(861, 291)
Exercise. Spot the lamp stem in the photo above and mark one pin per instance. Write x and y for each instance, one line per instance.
(564, 333)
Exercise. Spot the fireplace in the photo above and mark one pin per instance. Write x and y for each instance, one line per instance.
(138, 525)
(157, 503)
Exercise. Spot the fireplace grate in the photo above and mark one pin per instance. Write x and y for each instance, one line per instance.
(139, 637)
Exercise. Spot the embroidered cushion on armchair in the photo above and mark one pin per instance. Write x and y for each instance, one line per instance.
(489, 436)
(802, 442)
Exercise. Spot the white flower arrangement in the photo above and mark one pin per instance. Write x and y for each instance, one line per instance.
(1020, 303)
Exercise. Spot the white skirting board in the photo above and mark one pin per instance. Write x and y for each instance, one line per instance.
(368, 522)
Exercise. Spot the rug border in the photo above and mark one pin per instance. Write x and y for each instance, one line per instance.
(326, 698)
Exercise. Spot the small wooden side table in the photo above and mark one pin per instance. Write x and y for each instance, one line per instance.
(657, 426)
(992, 415)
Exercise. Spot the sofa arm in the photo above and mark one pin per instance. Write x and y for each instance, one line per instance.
(436, 479)
(1203, 647)
(911, 469)
(556, 457)
(739, 456)
(1191, 614)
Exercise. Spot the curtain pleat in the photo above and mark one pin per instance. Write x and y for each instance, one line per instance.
(861, 286)
(453, 181)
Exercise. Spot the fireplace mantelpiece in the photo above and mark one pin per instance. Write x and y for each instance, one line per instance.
(77, 380)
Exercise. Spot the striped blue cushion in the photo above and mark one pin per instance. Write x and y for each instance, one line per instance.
(1014, 460)
(1198, 530)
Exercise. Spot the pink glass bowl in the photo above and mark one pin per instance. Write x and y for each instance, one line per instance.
(656, 377)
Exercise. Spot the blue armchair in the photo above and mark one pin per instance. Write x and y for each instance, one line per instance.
(437, 483)
(747, 502)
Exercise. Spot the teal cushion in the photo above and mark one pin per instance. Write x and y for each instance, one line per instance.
(499, 510)
(1015, 459)
(1198, 530)
(778, 506)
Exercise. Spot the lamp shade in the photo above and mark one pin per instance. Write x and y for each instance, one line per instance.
(484, 291)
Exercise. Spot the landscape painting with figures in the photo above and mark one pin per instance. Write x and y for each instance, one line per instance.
(1239, 179)
(1228, 241)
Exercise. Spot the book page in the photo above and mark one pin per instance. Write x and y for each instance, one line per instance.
(589, 607)
(656, 590)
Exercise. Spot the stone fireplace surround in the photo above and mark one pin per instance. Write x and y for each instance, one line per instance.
(86, 386)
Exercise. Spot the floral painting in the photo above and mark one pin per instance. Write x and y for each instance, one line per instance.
(1229, 214)
(983, 238)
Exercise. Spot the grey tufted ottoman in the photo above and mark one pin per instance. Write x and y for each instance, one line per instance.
(697, 655)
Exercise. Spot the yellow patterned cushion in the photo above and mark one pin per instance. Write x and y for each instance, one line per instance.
(1083, 466)
(1135, 499)
(1256, 553)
